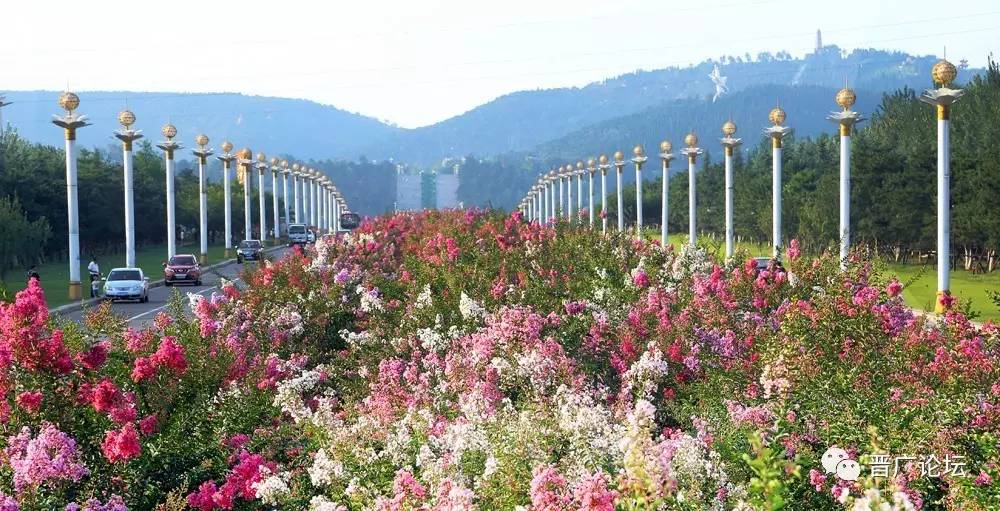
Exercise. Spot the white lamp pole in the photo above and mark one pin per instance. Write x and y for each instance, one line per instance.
(127, 135)
(604, 166)
(169, 147)
(262, 210)
(579, 190)
(295, 190)
(202, 153)
(70, 122)
(284, 192)
(777, 132)
(568, 175)
(846, 119)
(944, 74)
(639, 157)
(665, 157)
(619, 163)
(245, 174)
(591, 168)
(692, 151)
(227, 159)
(275, 215)
(730, 144)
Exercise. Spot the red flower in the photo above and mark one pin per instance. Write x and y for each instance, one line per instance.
(95, 358)
(29, 401)
(121, 445)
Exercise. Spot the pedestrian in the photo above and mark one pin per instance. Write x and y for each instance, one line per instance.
(95, 275)
(33, 274)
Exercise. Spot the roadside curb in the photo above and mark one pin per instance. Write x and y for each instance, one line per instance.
(73, 307)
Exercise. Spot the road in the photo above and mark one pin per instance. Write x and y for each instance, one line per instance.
(140, 314)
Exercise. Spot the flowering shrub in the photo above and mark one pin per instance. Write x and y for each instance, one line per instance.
(468, 361)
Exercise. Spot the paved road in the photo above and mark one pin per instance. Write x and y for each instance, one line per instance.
(139, 314)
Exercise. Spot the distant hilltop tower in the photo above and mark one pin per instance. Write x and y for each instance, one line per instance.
(819, 40)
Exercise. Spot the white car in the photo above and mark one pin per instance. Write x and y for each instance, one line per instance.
(127, 284)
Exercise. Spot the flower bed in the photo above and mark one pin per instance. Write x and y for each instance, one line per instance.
(465, 360)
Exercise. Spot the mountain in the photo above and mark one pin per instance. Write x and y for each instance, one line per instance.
(273, 125)
(524, 120)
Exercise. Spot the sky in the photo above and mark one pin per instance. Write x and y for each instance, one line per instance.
(417, 62)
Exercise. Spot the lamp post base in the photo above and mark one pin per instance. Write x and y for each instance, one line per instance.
(943, 302)
(229, 253)
(204, 258)
(75, 291)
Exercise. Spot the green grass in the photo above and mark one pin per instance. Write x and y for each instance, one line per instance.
(55, 276)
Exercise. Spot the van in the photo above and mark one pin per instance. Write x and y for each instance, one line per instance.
(297, 234)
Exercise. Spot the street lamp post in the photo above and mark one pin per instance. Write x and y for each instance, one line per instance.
(169, 147)
(665, 157)
(692, 151)
(730, 143)
(591, 168)
(127, 135)
(604, 166)
(619, 164)
(276, 217)
(846, 119)
(638, 158)
(3, 103)
(777, 132)
(944, 74)
(568, 176)
(262, 209)
(227, 158)
(296, 168)
(202, 153)
(284, 192)
(579, 190)
(245, 162)
(70, 122)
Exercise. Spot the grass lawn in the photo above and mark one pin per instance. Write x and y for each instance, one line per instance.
(55, 276)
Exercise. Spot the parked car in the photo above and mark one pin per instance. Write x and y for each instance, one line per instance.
(182, 268)
(765, 263)
(297, 234)
(311, 236)
(249, 250)
(127, 284)
(350, 221)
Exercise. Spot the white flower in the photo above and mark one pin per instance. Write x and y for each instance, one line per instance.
(194, 299)
(370, 300)
(272, 487)
(324, 470)
(469, 308)
(646, 373)
(425, 298)
(321, 503)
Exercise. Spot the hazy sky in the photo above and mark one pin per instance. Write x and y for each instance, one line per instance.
(417, 62)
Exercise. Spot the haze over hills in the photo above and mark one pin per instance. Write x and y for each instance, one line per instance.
(644, 105)
(274, 125)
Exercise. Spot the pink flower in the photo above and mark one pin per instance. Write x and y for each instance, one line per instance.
(95, 358)
(817, 479)
(793, 250)
(640, 279)
(29, 401)
(894, 288)
(148, 424)
(983, 479)
(50, 456)
(143, 369)
(171, 355)
(121, 445)
(548, 490)
(592, 494)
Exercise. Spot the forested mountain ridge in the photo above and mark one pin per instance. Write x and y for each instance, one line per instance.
(525, 120)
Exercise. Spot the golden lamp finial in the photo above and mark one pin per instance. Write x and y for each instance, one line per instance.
(846, 98)
(126, 118)
(665, 146)
(944, 73)
(619, 156)
(603, 159)
(169, 130)
(777, 116)
(201, 140)
(691, 140)
(227, 146)
(638, 152)
(729, 128)
(69, 101)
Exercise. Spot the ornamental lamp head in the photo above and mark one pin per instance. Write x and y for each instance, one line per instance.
(777, 116)
(944, 73)
(579, 165)
(126, 118)
(201, 140)
(227, 146)
(245, 153)
(296, 167)
(603, 159)
(666, 146)
(691, 140)
(729, 128)
(69, 101)
(169, 130)
(275, 161)
(638, 152)
(846, 98)
(619, 156)
(261, 158)
(590, 163)
(284, 164)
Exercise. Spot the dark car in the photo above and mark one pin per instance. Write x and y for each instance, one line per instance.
(767, 263)
(350, 221)
(182, 269)
(249, 250)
